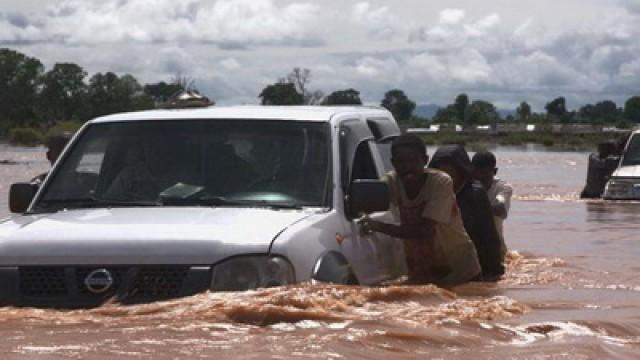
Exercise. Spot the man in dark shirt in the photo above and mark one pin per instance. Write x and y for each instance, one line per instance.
(477, 214)
(601, 165)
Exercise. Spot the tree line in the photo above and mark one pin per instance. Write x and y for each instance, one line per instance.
(32, 96)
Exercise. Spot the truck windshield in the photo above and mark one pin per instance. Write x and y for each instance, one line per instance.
(194, 162)
(632, 153)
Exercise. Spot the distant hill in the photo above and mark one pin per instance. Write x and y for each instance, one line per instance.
(506, 112)
(426, 110)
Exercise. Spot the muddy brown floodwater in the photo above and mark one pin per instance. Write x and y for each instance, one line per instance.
(572, 291)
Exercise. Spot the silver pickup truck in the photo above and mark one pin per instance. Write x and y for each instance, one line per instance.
(167, 203)
(624, 183)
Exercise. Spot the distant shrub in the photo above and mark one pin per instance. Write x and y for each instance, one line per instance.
(63, 127)
(25, 136)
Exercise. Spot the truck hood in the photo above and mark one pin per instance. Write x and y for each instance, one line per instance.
(627, 171)
(166, 235)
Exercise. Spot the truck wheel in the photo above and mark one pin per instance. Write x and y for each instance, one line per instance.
(333, 267)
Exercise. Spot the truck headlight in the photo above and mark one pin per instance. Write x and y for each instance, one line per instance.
(251, 272)
(622, 189)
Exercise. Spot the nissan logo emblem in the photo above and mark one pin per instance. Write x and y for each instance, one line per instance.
(98, 281)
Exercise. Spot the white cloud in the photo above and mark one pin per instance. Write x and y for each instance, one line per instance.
(227, 23)
(508, 53)
(451, 16)
(380, 23)
(230, 64)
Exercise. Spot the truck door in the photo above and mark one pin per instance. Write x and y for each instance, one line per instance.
(372, 256)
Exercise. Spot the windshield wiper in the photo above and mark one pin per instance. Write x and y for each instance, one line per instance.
(222, 201)
(275, 204)
(92, 202)
(201, 201)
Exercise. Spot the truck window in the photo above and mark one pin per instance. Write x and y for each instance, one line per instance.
(384, 148)
(363, 164)
(632, 153)
(247, 161)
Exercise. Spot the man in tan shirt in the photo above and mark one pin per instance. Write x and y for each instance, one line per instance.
(437, 246)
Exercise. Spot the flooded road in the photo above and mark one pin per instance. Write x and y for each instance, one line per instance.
(572, 291)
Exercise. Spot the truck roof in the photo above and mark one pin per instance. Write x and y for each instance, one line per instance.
(304, 113)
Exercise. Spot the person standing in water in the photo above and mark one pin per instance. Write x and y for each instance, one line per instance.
(476, 210)
(499, 192)
(437, 246)
(55, 144)
(601, 165)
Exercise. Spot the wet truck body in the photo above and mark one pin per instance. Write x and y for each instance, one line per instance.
(167, 203)
(624, 183)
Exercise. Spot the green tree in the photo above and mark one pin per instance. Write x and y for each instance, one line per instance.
(63, 92)
(557, 109)
(607, 112)
(281, 93)
(108, 94)
(161, 91)
(586, 113)
(632, 109)
(603, 112)
(19, 81)
(343, 97)
(482, 113)
(445, 115)
(524, 111)
(398, 104)
(461, 103)
(300, 77)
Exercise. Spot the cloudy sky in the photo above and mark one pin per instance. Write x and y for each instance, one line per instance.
(503, 51)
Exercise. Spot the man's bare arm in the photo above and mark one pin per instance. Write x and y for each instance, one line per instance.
(421, 230)
(499, 210)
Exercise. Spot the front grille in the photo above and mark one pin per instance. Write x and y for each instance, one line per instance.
(133, 283)
(43, 281)
(159, 281)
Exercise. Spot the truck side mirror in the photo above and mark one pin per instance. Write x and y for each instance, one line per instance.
(20, 196)
(367, 196)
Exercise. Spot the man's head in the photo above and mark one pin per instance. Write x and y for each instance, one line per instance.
(484, 168)
(454, 160)
(55, 144)
(409, 157)
(606, 148)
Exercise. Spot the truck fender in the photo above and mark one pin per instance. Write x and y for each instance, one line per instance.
(333, 267)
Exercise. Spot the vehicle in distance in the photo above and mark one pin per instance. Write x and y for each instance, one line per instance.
(167, 203)
(624, 183)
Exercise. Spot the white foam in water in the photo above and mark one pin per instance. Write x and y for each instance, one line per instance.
(53, 349)
(557, 331)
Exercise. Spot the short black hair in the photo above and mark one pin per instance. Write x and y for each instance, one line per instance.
(484, 159)
(58, 140)
(409, 141)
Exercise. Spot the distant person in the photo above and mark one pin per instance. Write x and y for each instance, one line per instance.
(55, 144)
(147, 171)
(437, 246)
(601, 165)
(499, 192)
(475, 207)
